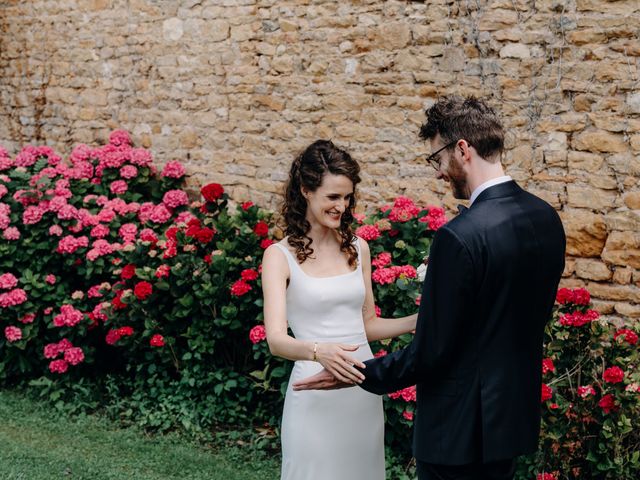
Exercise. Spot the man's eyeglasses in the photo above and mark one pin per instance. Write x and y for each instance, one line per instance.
(434, 160)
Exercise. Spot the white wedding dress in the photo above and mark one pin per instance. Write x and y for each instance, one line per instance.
(335, 434)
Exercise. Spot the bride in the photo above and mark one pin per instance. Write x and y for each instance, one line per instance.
(317, 281)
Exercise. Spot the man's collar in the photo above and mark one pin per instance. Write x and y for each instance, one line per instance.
(490, 183)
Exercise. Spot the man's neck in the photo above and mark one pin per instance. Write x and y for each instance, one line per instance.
(485, 173)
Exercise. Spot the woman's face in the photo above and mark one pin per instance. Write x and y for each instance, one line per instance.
(326, 205)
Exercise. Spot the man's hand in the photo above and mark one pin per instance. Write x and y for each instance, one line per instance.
(322, 380)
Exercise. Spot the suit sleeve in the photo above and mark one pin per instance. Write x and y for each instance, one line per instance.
(444, 313)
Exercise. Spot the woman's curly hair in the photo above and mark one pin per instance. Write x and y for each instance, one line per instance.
(308, 170)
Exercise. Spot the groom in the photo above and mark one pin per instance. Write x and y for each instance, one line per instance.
(493, 272)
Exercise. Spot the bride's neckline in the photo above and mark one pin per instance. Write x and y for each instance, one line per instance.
(295, 260)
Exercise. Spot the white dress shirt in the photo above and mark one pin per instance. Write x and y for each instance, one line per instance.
(487, 184)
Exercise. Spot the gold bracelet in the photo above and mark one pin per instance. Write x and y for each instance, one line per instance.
(315, 351)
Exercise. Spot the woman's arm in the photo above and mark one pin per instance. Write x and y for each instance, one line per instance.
(332, 356)
(379, 328)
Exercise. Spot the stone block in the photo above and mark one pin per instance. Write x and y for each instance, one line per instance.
(592, 270)
(592, 198)
(586, 232)
(632, 200)
(623, 248)
(599, 141)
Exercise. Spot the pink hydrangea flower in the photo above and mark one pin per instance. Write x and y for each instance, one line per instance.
(80, 153)
(99, 231)
(8, 280)
(106, 215)
(382, 260)
(58, 366)
(32, 215)
(3, 190)
(55, 230)
(11, 233)
(5, 161)
(68, 317)
(160, 214)
(52, 350)
(13, 334)
(384, 276)
(175, 198)
(118, 187)
(173, 170)
(119, 137)
(17, 296)
(145, 211)
(128, 232)
(128, 171)
(100, 248)
(28, 318)
(141, 157)
(403, 210)
(69, 244)
(94, 292)
(74, 355)
(368, 232)
(67, 212)
(50, 279)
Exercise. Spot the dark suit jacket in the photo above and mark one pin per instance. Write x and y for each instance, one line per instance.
(477, 352)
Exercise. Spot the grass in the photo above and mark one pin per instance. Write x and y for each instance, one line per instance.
(37, 442)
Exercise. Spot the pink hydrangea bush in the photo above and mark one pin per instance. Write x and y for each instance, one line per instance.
(65, 225)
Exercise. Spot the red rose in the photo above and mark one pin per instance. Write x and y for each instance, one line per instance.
(205, 235)
(266, 243)
(547, 393)
(112, 337)
(261, 229)
(247, 205)
(157, 341)
(239, 288)
(564, 296)
(128, 271)
(117, 302)
(212, 192)
(194, 221)
(608, 403)
(249, 274)
(613, 375)
(547, 366)
(627, 335)
(192, 230)
(581, 296)
(125, 331)
(257, 334)
(142, 290)
(171, 233)
(207, 259)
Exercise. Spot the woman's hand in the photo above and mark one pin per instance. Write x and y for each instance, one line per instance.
(333, 357)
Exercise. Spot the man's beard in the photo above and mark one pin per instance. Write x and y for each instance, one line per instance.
(458, 180)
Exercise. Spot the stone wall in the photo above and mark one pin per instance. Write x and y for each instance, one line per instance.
(236, 87)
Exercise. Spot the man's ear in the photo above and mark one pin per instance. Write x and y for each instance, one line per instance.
(465, 149)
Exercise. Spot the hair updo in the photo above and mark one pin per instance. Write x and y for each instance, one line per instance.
(308, 170)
